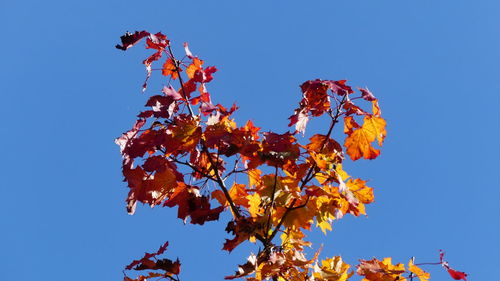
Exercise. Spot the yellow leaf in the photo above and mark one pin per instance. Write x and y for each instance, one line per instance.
(333, 269)
(254, 177)
(254, 205)
(362, 192)
(422, 275)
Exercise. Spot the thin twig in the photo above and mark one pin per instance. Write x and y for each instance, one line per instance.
(268, 225)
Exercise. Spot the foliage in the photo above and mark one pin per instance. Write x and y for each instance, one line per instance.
(184, 151)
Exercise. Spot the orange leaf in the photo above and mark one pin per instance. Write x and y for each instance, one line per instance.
(169, 68)
(358, 142)
(191, 69)
(375, 270)
(238, 193)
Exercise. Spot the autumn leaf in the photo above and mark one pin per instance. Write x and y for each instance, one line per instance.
(192, 204)
(170, 69)
(455, 274)
(130, 39)
(367, 95)
(148, 256)
(193, 67)
(375, 270)
(418, 272)
(333, 269)
(191, 154)
(358, 141)
(278, 149)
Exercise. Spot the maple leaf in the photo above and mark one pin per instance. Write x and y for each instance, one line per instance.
(148, 256)
(316, 99)
(367, 95)
(151, 262)
(299, 119)
(130, 39)
(192, 204)
(193, 67)
(148, 141)
(358, 141)
(171, 92)
(170, 69)
(457, 275)
(333, 269)
(277, 149)
(421, 274)
(339, 87)
(150, 188)
(325, 151)
(124, 140)
(245, 269)
(184, 135)
(242, 229)
(157, 41)
(375, 270)
(350, 109)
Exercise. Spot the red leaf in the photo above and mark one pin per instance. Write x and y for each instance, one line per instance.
(147, 256)
(157, 41)
(367, 95)
(208, 73)
(192, 204)
(124, 139)
(129, 39)
(278, 149)
(457, 275)
(339, 87)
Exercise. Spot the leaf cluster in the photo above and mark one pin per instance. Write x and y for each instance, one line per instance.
(185, 151)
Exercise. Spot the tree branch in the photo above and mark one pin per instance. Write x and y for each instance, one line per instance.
(309, 175)
(177, 69)
(268, 224)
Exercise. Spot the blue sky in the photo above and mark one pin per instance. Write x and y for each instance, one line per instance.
(66, 93)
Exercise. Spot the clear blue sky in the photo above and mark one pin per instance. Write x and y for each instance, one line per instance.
(66, 93)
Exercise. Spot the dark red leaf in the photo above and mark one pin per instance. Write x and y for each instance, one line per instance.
(192, 204)
(278, 149)
(129, 39)
(155, 163)
(367, 95)
(148, 256)
(163, 106)
(339, 87)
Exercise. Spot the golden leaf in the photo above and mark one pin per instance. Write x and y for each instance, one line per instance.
(358, 141)
(422, 275)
